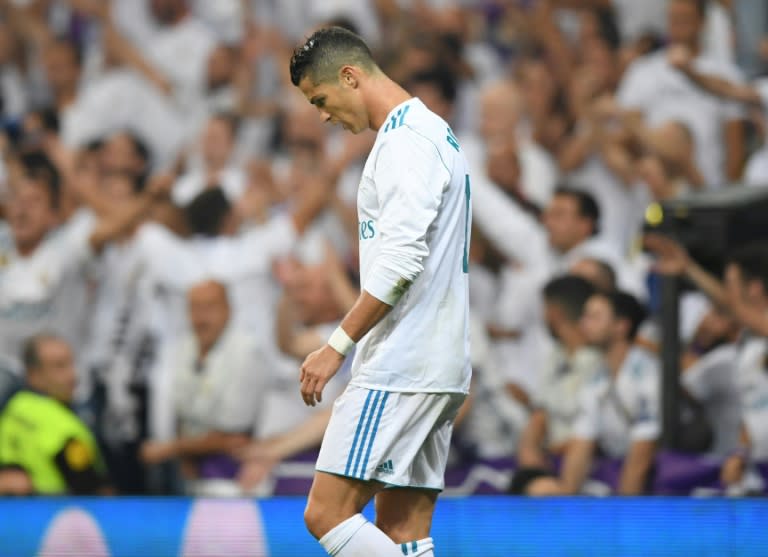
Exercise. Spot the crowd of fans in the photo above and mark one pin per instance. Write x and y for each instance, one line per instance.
(178, 230)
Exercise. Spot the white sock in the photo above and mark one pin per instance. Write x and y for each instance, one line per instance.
(419, 548)
(356, 537)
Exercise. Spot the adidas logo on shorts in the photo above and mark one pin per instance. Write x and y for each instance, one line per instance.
(386, 468)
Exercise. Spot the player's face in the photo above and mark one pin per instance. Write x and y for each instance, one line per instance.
(338, 103)
(597, 322)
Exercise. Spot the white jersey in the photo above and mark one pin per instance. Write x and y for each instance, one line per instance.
(616, 412)
(414, 219)
(45, 290)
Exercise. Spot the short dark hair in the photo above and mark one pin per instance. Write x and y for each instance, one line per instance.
(586, 205)
(30, 353)
(440, 77)
(39, 168)
(326, 51)
(626, 306)
(570, 292)
(752, 261)
(205, 214)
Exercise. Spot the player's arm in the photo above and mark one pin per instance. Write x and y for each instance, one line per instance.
(410, 177)
(81, 469)
(322, 364)
(637, 464)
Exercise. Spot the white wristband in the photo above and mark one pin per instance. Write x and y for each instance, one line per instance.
(341, 342)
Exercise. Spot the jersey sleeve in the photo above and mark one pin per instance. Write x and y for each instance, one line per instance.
(410, 177)
(81, 468)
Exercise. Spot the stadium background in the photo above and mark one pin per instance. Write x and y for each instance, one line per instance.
(469, 522)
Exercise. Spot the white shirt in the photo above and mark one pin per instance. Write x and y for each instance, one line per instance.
(517, 307)
(622, 207)
(522, 239)
(415, 217)
(664, 94)
(45, 290)
(225, 391)
(618, 412)
(242, 262)
(231, 180)
(121, 302)
(181, 52)
(752, 378)
(122, 100)
(635, 18)
(563, 378)
(712, 382)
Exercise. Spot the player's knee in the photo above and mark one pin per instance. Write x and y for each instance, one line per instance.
(320, 519)
(313, 519)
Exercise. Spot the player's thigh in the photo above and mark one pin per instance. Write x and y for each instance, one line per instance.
(405, 513)
(333, 499)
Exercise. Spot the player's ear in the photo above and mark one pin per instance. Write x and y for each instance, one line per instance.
(348, 77)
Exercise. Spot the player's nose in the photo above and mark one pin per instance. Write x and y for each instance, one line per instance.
(325, 116)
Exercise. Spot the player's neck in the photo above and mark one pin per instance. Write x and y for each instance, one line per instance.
(383, 95)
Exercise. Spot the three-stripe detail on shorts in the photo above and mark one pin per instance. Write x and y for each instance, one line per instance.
(368, 423)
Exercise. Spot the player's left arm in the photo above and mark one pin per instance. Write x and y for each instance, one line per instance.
(410, 178)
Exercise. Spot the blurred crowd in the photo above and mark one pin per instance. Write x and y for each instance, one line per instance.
(178, 230)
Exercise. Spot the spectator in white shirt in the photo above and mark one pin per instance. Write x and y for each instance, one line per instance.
(652, 87)
(501, 108)
(569, 366)
(42, 286)
(218, 377)
(572, 223)
(214, 164)
(619, 409)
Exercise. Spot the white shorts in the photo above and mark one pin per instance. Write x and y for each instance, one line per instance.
(400, 439)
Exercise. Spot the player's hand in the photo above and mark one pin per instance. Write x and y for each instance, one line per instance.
(319, 367)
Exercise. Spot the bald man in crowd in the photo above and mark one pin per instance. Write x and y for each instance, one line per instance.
(212, 380)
